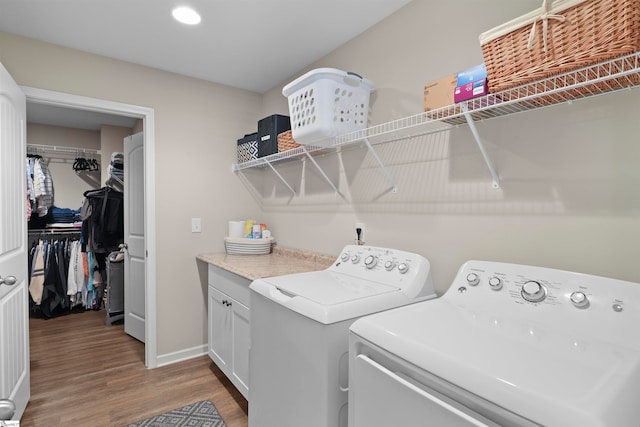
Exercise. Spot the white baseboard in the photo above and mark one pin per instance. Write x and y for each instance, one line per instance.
(182, 355)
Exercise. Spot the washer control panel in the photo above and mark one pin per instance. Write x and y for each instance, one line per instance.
(489, 282)
(390, 266)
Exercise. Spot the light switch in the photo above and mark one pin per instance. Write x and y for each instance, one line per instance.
(196, 225)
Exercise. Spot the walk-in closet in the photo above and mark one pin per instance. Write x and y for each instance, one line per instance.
(75, 184)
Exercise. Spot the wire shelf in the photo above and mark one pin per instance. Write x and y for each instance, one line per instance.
(610, 76)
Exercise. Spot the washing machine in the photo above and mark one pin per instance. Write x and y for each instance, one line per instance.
(506, 345)
(298, 362)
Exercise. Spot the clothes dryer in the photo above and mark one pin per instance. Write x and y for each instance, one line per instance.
(506, 345)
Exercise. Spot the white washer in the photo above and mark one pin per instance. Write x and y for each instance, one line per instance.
(298, 363)
(507, 345)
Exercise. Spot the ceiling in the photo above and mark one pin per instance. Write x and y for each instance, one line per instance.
(248, 44)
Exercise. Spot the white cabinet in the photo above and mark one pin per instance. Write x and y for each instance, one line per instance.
(229, 325)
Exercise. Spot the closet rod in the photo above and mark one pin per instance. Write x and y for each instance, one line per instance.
(51, 149)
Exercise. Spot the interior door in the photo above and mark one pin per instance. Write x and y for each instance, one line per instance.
(14, 316)
(134, 261)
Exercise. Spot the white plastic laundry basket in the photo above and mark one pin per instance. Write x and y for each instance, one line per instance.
(325, 103)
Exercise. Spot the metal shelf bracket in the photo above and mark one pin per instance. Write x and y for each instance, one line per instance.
(284, 181)
(324, 175)
(472, 125)
(385, 171)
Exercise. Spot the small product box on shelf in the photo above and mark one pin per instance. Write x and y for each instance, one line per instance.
(248, 148)
(268, 130)
(470, 90)
(471, 83)
(471, 75)
(439, 93)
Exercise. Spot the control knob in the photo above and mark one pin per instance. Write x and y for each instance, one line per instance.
(495, 283)
(389, 265)
(345, 257)
(579, 299)
(473, 279)
(403, 267)
(355, 258)
(533, 291)
(370, 261)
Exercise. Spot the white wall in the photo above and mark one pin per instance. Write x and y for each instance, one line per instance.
(569, 194)
(197, 124)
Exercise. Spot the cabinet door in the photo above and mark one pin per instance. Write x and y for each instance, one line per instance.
(219, 329)
(240, 347)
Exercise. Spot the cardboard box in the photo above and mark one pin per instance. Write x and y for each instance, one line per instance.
(439, 93)
(471, 90)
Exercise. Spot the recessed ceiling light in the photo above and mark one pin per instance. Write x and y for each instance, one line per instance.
(186, 15)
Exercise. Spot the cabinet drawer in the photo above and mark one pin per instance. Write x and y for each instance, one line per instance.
(237, 287)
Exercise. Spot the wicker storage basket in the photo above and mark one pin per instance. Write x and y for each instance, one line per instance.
(579, 33)
(286, 142)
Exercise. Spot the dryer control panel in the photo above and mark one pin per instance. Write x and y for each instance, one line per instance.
(489, 283)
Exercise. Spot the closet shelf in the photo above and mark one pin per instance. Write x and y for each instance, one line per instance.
(54, 150)
(606, 77)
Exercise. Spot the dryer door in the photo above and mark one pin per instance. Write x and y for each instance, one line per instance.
(385, 398)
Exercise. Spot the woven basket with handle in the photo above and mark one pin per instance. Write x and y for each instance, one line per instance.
(560, 36)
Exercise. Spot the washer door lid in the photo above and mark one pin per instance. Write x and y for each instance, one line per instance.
(329, 297)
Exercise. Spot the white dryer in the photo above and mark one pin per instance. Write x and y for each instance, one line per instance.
(298, 363)
(506, 345)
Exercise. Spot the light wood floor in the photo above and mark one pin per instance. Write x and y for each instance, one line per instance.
(84, 373)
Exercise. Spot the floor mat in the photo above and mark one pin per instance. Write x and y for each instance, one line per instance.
(198, 414)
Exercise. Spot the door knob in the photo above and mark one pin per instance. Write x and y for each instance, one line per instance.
(9, 280)
(7, 409)
(123, 246)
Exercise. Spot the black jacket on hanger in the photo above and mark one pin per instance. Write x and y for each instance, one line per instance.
(103, 220)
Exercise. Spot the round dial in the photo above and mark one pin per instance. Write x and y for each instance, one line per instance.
(389, 265)
(473, 279)
(579, 299)
(345, 257)
(533, 291)
(370, 261)
(403, 267)
(495, 283)
(355, 258)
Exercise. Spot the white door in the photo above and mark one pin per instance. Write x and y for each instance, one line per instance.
(14, 317)
(134, 261)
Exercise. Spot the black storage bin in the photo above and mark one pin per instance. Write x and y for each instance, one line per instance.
(268, 130)
(248, 148)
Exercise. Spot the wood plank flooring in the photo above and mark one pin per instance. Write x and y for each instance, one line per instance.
(84, 373)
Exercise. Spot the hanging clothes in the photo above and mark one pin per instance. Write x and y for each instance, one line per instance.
(39, 186)
(102, 214)
(62, 277)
